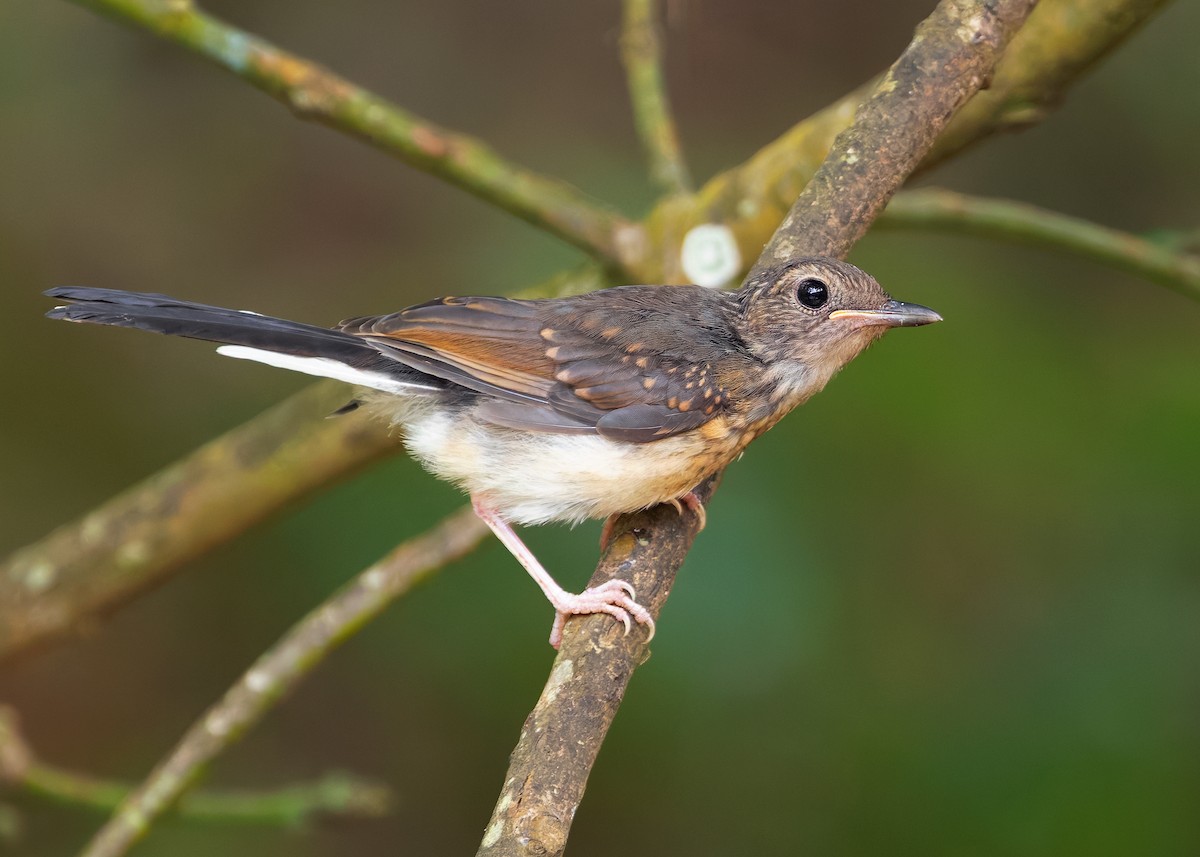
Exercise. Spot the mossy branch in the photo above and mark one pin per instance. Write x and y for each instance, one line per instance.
(1059, 44)
(317, 94)
(642, 51)
(1005, 220)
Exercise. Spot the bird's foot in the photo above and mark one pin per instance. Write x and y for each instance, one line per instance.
(692, 501)
(614, 597)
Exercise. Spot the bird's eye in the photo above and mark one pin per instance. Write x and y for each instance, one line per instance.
(812, 294)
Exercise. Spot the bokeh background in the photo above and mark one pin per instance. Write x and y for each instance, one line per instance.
(950, 607)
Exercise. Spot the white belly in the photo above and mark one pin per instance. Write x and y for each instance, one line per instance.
(537, 478)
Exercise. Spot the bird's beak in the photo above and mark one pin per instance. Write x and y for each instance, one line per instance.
(891, 314)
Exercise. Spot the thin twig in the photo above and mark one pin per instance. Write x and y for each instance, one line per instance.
(298, 805)
(315, 93)
(337, 794)
(642, 51)
(947, 211)
(953, 54)
(279, 669)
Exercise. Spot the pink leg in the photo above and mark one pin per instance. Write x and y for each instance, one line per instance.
(614, 597)
(606, 532)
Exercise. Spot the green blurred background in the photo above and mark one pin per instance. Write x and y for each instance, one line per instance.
(949, 607)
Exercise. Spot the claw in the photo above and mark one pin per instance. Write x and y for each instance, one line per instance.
(615, 597)
(560, 620)
(692, 502)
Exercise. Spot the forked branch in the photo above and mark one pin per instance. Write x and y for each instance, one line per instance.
(66, 579)
(953, 54)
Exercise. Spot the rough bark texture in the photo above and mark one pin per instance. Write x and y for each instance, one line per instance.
(952, 56)
(549, 768)
(1060, 42)
(1066, 38)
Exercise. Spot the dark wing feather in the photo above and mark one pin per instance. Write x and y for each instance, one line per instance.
(581, 365)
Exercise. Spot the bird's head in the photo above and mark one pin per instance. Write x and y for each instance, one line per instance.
(809, 318)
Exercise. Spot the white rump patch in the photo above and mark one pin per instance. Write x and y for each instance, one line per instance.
(325, 368)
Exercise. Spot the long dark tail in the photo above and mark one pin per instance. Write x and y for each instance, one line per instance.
(275, 341)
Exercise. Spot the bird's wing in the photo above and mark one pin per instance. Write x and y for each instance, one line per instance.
(544, 369)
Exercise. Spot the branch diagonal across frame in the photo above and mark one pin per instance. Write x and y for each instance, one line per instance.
(953, 54)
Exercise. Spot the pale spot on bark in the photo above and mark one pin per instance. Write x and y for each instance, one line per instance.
(40, 577)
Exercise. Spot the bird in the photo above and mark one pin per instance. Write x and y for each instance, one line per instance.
(572, 408)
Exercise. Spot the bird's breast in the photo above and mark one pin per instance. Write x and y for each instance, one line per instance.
(538, 477)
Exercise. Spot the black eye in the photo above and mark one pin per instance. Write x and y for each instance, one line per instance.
(812, 294)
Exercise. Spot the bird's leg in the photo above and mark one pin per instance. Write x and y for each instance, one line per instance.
(614, 597)
(606, 532)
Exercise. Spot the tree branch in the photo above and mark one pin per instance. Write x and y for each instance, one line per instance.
(642, 52)
(549, 768)
(222, 489)
(1021, 222)
(316, 94)
(292, 806)
(279, 669)
(1061, 41)
(895, 128)
(1067, 36)
(952, 55)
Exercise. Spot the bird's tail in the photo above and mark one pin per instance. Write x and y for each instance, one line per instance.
(247, 335)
